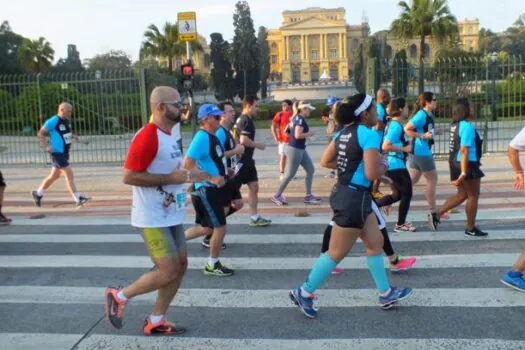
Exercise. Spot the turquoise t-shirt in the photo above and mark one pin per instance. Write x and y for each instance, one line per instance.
(393, 135)
(199, 150)
(421, 147)
(368, 139)
(467, 138)
(381, 116)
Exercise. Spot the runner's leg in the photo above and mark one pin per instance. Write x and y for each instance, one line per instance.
(472, 187)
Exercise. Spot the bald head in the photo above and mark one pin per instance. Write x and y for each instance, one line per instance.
(162, 94)
(64, 110)
(383, 96)
(165, 105)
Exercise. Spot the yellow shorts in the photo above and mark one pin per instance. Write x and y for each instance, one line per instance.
(164, 241)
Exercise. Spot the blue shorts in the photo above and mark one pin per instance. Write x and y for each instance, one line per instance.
(60, 160)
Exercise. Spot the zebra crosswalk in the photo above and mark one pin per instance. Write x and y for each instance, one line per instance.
(52, 281)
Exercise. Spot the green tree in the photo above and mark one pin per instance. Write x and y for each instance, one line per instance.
(222, 72)
(245, 51)
(488, 41)
(425, 18)
(72, 63)
(400, 74)
(114, 59)
(165, 44)
(36, 55)
(359, 70)
(10, 43)
(264, 55)
(513, 41)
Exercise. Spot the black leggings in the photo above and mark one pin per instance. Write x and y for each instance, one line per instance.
(387, 245)
(402, 192)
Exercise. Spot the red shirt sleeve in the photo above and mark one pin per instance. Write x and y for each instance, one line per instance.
(277, 118)
(143, 149)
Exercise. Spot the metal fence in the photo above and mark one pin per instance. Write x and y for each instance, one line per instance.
(108, 108)
(496, 86)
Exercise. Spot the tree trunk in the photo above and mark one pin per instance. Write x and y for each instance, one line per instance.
(170, 64)
(421, 85)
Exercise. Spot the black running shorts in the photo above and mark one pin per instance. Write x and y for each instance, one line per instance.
(247, 174)
(473, 172)
(232, 191)
(208, 203)
(2, 181)
(351, 207)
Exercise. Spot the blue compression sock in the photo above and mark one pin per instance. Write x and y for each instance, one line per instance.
(376, 266)
(320, 272)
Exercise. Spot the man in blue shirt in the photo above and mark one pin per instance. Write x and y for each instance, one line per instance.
(206, 153)
(56, 138)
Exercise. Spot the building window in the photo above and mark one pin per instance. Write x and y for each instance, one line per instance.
(296, 74)
(274, 47)
(427, 51)
(314, 72)
(413, 51)
(332, 53)
(296, 56)
(274, 59)
(470, 29)
(314, 55)
(334, 72)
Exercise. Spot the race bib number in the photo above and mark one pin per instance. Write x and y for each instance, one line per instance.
(238, 167)
(181, 201)
(68, 138)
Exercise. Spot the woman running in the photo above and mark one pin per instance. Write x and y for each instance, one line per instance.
(398, 148)
(421, 129)
(297, 154)
(464, 162)
(355, 153)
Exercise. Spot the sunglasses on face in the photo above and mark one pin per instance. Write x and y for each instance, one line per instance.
(176, 104)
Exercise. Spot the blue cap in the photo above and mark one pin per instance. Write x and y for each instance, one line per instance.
(331, 101)
(207, 110)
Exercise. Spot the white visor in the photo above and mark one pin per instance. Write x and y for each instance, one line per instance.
(364, 106)
(306, 105)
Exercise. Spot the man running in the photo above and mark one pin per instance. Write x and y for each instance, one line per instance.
(247, 173)
(279, 123)
(4, 220)
(58, 130)
(206, 152)
(514, 277)
(154, 170)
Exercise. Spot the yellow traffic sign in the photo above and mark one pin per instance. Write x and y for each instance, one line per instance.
(187, 26)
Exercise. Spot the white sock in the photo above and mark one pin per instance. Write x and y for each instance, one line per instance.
(76, 196)
(212, 261)
(155, 318)
(40, 191)
(254, 217)
(121, 296)
(304, 293)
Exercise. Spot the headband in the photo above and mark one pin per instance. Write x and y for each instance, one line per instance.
(364, 106)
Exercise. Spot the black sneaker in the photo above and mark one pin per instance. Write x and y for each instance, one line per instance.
(37, 199)
(218, 270)
(433, 221)
(206, 243)
(83, 200)
(476, 232)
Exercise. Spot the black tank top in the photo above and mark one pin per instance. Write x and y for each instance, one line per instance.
(455, 143)
(349, 155)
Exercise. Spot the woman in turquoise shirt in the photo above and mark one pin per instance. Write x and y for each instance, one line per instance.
(464, 160)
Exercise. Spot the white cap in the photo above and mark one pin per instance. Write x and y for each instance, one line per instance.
(306, 105)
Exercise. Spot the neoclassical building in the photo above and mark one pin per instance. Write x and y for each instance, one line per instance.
(317, 41)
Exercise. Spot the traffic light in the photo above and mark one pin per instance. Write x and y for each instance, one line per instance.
(187, 76)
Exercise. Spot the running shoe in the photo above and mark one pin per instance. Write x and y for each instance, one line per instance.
(162, 327)
(114, 307)
(83, 200)
(406, 227)
(403, 264)
(311, 199)
(433, 221)
(453, 211)
(206, 243)
(377, 195)
(396, 294)
(279, 200)
(308, 305)
(444, 216)
(476, 232)
(37, 199)
(218, 270)
(4, 220)
(514, 280)
(337, 271)
(260, 222)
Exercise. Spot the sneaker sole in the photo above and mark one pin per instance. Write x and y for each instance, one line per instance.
(312, 203)
(390, 305)
(466, 234)
(34, 201)
(294, 300)
(208, 246)
(281, 204)
(218, 274)
(106, 310)
(431, 224)
(260, 225)
(512, 286)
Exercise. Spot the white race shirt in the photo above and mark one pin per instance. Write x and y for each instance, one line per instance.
(518, 142)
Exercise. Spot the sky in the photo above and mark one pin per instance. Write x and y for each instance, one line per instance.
(97, 26)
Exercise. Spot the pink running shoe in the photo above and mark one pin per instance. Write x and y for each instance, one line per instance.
(403, 264)
(337, 271)
(444, 216)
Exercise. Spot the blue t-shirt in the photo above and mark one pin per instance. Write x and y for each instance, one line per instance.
(199, 150)
(421, 147)
(393, 135)
(467, 138)
(60, 134)
(297, 121)
(221, 135)
(381, 116)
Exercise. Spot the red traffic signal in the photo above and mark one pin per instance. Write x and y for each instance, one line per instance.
(187, 70)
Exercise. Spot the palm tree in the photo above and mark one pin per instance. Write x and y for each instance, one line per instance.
(165, 44)
(425, 18)
(36, 55)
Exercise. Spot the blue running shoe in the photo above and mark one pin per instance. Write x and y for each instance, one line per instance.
(514, 280)
(307, 305)
(396, 294)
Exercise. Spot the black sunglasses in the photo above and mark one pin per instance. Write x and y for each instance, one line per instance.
(176, 104)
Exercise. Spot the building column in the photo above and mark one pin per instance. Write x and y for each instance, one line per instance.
(340, 45)
(285, 54)
(324, 47)
(344, 45)
(306, 47)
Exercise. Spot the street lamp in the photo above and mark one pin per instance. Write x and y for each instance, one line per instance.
(494, 70)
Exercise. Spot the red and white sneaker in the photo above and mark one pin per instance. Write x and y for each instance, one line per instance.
(337, 271)
(162, 327)
(406, 227)
(403, 264)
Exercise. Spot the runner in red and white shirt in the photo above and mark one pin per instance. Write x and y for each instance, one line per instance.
(279, 123)
(154, 170)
